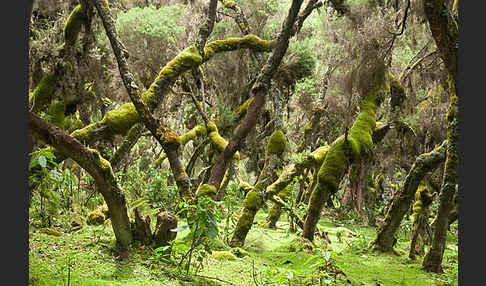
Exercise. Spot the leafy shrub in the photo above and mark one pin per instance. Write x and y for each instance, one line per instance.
(151, 37)
(150, 22)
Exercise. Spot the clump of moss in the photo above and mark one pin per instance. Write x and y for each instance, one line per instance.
(318, 155)
(55, 113)
(277, 142)
(73, 25)
(243, 108)
(95, 217)
(169, 138)
(188, 58)
(120, 120)
(50, 231)
(298, 244)
(223, 255)
(206, 190)
(43, 93)
(72, 123)
(197, 131)
(245, 187)
(364, 124)
(239, 252)
(249, 41)
(217, 141)
(252, 199)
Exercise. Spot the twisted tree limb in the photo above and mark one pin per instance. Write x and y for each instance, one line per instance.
(96, 166)
(402, 200)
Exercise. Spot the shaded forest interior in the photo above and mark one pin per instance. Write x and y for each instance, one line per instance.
(176, 142)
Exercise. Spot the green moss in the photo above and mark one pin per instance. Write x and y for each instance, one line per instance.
(243, 108)
(50, 231)
(318, 155)
(364, 124)
(43, 93)
(185, 60)
(83, 133)
(239, 252)
(72, 123)
(120, 120)
(55, 113)
(277, 142)
(223, 255)
(160, 160)
(206, 190)
(217, 141)
(245, 186)
(308, 127)
(197, 131)
(297, 244)
(231, 4)
(252, 200)
(169, 138)
(95, 217)
(231, 44)
(333, 167)
(73, 25)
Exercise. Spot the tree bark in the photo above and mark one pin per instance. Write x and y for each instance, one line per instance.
(433, 259)
(259, 90)
(344, 150)
(402, 200)
(255, 197)
(96, 166)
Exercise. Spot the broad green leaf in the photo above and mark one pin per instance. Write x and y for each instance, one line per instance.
(42, 161)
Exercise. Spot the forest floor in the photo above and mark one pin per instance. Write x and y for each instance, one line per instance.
(273, 258)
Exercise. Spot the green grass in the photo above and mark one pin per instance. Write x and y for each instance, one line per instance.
(91, 251)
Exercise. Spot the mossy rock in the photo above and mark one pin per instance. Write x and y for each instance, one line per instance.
(96, 217)
(223, 255)
(298, 244)
(50, 231)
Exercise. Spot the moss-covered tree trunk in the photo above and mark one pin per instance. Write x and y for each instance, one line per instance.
(312, 126)
(96, 166)
(168, 139)
(433, 259)
(445, 32)
(255, 197)
(275, 211)
(454, 215)
(420, 221)
(128, 142)
(344, 150)
(402, 200)
(259, 91)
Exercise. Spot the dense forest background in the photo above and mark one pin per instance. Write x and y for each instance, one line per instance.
(243, 142)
